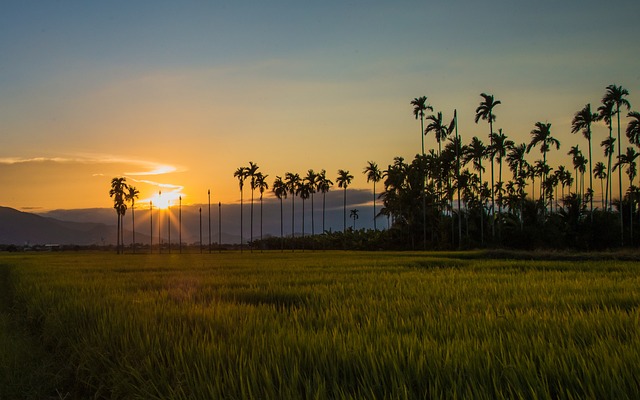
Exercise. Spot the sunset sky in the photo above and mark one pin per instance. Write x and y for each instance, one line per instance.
(177, 95)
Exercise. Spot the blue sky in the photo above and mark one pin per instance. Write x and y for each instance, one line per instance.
(92, 90)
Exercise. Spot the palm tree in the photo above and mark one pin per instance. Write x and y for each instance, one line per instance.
(344, 180)
(354, 216)
(629, 159)
(279, 188)
(323, 185)
(633, 129)
(609, 147)
(600, 172)
(498, 151)
(241, 174)
(304, 191)
(576, 156)
(373, 175)
(485, 112)
(118, 187)
(439, 129)
(312, 180)
(616, 96)
(252, 171)
(419, 107)
(262, 185)
(582, 120)
(292, 182)
(541, 135)
(475, 153)
(131, 196)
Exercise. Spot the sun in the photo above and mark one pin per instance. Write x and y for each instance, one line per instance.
(164, 200)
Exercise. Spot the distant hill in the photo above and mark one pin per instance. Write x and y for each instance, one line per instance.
(19, 228)
(97, 226)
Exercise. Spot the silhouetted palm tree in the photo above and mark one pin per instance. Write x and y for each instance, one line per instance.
(439, 129)
(541, 135)
(262, 185)
(498, 151)
(304, 191)
(575, 154)
(344, 180)
(609, 147)
(241, 174)
(616, 96)
(323, 185)
(252, 171)
(373, 175)
(131, 196)
(633, 129)
(354, 216)
(279, 188)
(419, 107)
(600, 172)
(485, 112)
(312, 181)
(605, 113)
(293, 182)
(476, 151)
(629, 159)
(118, 187)
(582, 120)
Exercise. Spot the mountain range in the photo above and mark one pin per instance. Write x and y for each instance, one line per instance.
(97, 226)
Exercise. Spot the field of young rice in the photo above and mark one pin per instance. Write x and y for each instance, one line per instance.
(330, 325)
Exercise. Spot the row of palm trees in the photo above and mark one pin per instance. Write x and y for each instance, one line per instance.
(295, 185)
(613, 102)
(424, 189)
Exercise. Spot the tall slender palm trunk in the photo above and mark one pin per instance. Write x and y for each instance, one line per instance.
(493, 201)
(620, 180)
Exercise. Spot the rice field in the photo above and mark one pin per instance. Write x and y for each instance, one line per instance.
(326, 325)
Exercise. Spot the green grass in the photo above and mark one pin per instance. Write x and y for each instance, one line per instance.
(328, 325)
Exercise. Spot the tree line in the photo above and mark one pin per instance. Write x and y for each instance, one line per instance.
(443, 199)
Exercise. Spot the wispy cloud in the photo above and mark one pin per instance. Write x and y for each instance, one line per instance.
(147, 167)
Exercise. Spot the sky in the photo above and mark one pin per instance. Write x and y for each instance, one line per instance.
(175, 96)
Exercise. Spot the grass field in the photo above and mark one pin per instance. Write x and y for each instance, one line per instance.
(318, 325)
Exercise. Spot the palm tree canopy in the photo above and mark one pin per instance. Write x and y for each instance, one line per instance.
(117, 191)
(616, 96)
(132, 194)
(475, 152)
(279, 188)
(600, 170)
(312, 180)
(485, 109)
(516, 158)
(344, 178)
(582, 120)
(628, 159)
(437, 127)
(609, 146)
(633, 129)
(304, 190)
(323, 183)
(500, 144)
(292, 181)
(373, 172)
(260, 182)
(606, 111)
(420, 106)
(241, 174)
(541, 135)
